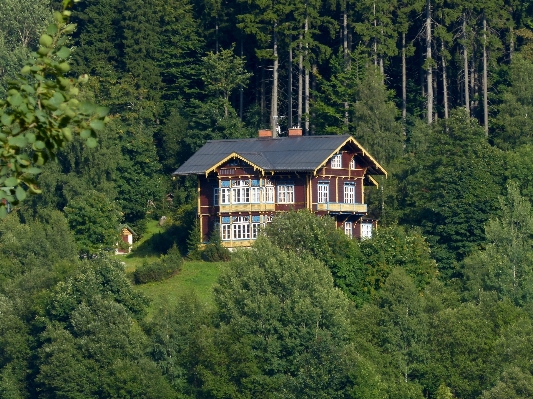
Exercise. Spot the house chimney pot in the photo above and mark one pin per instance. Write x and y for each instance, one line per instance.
(265, 133)
(295, 131)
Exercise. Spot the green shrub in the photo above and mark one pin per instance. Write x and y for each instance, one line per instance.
(214, 251)
(161, 269)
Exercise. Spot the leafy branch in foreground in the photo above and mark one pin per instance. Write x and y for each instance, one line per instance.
(42, 113)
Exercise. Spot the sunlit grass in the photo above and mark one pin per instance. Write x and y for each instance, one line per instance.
(196, 278)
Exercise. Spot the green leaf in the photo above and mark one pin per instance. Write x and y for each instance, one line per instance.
(33, 171)
(6, 119)
(51, 29)
(91, 142)
(46, 40)
(63, 53)
(3, 211)
(20, 193)
(97, 124)
(102, 111)
(39, 145)
(11, 182)
(17, 141)
(85, 134)
(15, 100)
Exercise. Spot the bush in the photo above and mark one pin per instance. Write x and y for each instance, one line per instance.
(163, 268)
(214, 251)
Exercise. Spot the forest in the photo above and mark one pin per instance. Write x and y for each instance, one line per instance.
(101, 100)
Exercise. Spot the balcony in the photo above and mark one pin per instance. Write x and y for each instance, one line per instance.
(262, 207)
(341, 207)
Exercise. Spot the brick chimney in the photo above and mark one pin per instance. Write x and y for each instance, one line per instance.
(295, 131)
(265, 133)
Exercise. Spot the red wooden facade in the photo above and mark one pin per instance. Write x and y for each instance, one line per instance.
(237, 197)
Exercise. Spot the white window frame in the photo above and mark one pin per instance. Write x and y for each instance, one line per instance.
(348, 229)
(353, 165)
(224, 196)
(349, 193)
(286, 194)
(336, 161)
(255, 231)
(255, 195)
(323, 192)
(240, 227)
(225, 232)
(240, 192)
(366, 231)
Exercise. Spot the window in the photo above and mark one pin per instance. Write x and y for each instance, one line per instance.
(224, 196)
(241, 227)
(286, 193)
(215, 196)
(323, 192)
(255, 195)
(366, 230)
(240, 191)
(268, 192)
(255, 230)
(349, 193)
(348, 229)
(225, 232)
(353, 165)
(336, 161)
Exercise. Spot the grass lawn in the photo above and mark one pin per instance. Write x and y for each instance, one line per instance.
(196, 277)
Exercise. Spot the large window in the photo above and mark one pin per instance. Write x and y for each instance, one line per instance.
(336, 161)
(240, 191)
(286, 193)
(323, 192)
(349, 193)
(241, 227)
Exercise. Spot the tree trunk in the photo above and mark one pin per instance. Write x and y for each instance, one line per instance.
(346, 59)
(274, 104)
(465, 67)
(300, 83)
(241, 91)
(485, 84)
(289, 89)
(429, 61)
(444, 82)
(375, 38)
(404, 85)
(306, 79)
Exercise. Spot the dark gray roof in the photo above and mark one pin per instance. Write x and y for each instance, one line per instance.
(300, 153)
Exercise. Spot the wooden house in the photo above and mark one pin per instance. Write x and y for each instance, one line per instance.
(243, 183)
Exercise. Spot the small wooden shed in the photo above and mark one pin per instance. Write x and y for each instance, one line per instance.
(126, 236)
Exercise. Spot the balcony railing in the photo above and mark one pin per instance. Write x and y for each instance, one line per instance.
(341, 207)
(262, 207)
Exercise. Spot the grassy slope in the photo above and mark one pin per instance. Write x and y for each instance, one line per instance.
(196, 277)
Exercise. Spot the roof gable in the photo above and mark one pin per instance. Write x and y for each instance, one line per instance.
(296, 153)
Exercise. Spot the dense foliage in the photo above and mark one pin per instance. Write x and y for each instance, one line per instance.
(438, 304)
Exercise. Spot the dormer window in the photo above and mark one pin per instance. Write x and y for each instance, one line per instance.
(336, 161)
(353, 165)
